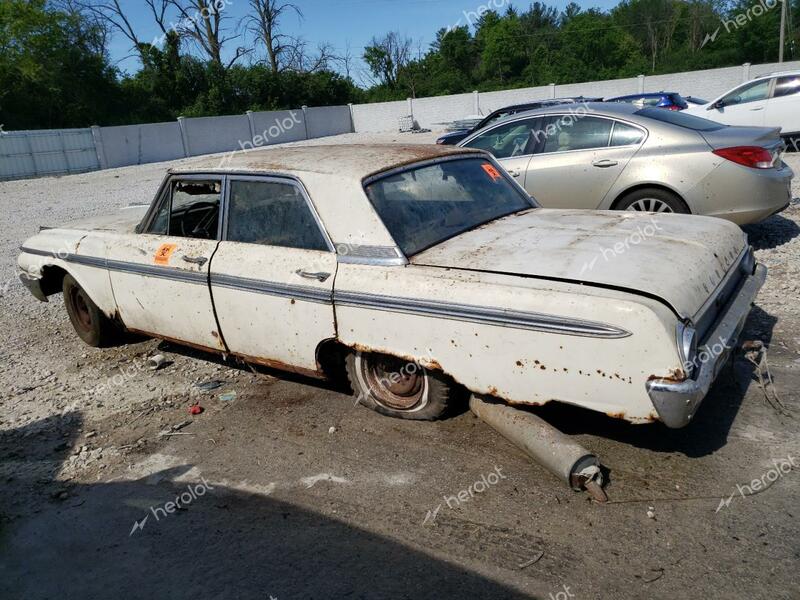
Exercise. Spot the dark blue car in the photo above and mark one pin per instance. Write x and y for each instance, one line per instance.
(668, 100)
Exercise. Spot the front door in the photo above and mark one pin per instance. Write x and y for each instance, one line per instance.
(160, 277)
(746, 105)
(272, 276)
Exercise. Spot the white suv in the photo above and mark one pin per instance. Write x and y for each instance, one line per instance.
(771, 100)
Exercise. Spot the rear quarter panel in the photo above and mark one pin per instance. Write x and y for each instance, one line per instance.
(518, 365)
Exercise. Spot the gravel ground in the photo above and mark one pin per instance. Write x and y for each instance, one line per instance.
(309, 497)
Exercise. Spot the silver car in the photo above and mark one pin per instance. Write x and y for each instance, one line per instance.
(621, 157)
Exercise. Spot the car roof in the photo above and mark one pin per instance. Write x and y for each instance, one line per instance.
(648, 94)
(354, 161)
(776, 74)
(548, 101)
(608, 109)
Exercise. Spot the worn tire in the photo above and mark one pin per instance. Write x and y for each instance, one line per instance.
(89, 322)
(644, 195)
(420, 394)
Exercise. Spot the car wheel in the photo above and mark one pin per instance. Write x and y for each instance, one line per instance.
(398, 388)
(91, 325)
(653, 200)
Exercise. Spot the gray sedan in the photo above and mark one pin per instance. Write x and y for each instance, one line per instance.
(621, 157)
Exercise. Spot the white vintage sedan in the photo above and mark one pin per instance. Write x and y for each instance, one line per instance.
(425, 272)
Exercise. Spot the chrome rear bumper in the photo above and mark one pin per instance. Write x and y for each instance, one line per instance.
(677, 401)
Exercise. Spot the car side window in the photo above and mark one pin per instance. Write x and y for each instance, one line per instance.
(574, 132)
(272, 213)
(190, 209)
(750, 92)
(625, 135)
(508, 140)
(787, 86)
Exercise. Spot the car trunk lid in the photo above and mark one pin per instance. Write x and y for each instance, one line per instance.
(679, 259)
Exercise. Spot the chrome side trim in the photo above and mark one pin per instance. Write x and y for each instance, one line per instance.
(479, 314)
(258, 286)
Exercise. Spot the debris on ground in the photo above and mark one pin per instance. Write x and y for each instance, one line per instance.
(228, 396)
(208, 386)
(195, 409)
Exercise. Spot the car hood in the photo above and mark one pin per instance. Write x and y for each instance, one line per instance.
(680, 259)
(123, 221)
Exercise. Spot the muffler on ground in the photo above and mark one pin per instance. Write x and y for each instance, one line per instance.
(557, 452)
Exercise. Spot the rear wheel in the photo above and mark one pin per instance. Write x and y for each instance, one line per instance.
(652, 200)
(89, 322)
(399, 388)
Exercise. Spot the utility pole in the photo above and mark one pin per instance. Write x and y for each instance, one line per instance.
(783, 29)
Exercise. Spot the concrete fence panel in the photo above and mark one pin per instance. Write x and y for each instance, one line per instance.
(277, 127)
(141, 144)
(432, 112)
(209, 135)
(47, 152)
(328, 120)
(381, 116)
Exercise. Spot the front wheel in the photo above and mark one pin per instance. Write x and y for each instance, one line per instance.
(398, 388)
(653, 200)
(89, 322)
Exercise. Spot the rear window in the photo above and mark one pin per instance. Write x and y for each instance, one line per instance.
(679, 119)
(424, 206)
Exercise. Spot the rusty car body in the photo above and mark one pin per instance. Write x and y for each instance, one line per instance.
(428, 270)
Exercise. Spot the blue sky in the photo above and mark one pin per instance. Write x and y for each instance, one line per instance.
(343, 22)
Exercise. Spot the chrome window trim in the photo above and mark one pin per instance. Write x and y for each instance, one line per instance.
(167, 188)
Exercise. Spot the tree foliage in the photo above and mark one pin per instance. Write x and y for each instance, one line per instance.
(55, 69)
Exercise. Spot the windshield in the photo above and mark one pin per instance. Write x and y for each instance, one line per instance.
(679, 119)
(426, 205)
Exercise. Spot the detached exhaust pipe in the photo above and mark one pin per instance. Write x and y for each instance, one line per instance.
(558, 453)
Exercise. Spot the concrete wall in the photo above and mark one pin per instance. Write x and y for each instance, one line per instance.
(328, 120)
(139, 144)
(46, 152)
(432, 113)
(35, 153)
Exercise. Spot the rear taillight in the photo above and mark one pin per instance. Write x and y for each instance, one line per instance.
(749, 156)
(674, 107)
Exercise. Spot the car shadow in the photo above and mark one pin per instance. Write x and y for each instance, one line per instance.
(709, 430)
(123, 539)
(775, 231)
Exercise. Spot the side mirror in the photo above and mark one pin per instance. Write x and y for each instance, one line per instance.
(717, 105)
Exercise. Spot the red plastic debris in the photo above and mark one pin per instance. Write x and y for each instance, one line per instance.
(195, 409)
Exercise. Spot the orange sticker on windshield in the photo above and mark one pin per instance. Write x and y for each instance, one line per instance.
(163, 254)
(491, 171)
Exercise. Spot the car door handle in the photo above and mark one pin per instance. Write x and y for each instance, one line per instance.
(195, 260)
(604, 164)
(757, 108)
(321, 277)
(514, 172)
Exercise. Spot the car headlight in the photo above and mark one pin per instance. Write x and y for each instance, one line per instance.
(687, 347)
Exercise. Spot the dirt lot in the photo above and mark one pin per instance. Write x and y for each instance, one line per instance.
(287, 490)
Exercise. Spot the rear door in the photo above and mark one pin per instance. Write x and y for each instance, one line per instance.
(783, 109)
(746, 105)
(272, 276)
(160, 279)
(578, 159)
